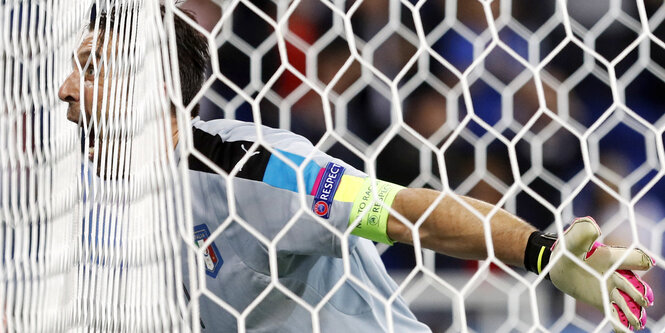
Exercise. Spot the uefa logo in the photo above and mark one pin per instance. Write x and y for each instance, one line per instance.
(321, 208)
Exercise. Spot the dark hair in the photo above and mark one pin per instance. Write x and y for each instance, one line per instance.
(192, 49)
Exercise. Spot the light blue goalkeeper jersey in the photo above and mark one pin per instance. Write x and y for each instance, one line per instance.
(308, 255)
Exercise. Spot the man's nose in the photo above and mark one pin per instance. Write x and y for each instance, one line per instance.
(69, 91)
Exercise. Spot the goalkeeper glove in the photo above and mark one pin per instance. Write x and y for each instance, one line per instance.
(628, 294)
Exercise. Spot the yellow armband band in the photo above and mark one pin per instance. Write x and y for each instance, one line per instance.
(374, 223)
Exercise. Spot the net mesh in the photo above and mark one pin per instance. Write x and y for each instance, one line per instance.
(86, 246)
(549, 110)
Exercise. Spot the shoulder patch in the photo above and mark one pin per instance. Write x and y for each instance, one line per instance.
(325, 187)
(211, 258)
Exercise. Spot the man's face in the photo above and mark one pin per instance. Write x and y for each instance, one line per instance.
(70, 91)
(84, 91)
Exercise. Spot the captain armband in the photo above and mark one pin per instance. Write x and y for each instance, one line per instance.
(374, 221)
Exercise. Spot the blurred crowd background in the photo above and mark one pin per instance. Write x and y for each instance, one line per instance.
(605, 122)
(578, 89)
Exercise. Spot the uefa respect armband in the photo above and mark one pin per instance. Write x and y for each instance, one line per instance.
(374, 221)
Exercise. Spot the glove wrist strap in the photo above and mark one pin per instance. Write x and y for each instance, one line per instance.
(538, 251)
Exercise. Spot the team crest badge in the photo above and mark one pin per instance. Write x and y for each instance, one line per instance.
(211, 258)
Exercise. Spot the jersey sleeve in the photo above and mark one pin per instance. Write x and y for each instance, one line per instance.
(266, 189)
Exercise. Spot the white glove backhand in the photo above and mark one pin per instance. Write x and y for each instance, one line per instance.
(628, 294)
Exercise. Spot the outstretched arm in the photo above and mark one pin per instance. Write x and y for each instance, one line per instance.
(453, 230)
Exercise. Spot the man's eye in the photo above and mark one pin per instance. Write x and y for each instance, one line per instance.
(90, 70)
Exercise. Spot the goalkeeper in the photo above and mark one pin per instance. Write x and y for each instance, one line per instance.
(309, 257)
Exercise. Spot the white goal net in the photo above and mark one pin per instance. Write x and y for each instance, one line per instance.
(548, 109)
